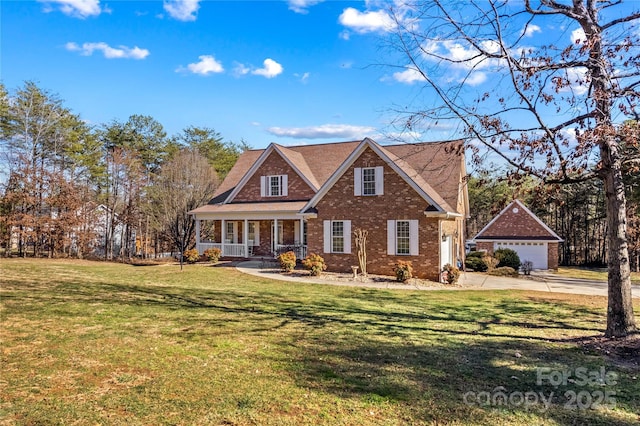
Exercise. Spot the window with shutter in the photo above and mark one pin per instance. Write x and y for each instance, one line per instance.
(274, 186)
(368, 181)
(337, 236)
(402, 237)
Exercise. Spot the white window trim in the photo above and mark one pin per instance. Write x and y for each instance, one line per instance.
(392, 242)
(407, 238)
(358, 181)
(328, 236)
(265, 185)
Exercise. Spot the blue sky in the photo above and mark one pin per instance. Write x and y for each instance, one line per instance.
(264, 71)
(291, 72)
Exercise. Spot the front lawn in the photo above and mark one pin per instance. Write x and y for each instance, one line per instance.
(99, 343)
(599, 274)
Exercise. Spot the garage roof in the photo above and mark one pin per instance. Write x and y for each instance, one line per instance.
(517, 222)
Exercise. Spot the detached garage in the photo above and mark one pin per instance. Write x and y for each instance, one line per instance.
(517, 228)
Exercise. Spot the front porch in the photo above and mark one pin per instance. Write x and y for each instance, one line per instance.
(252, 238)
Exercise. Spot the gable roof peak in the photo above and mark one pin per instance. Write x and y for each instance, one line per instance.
(513, 207)
(399, 165)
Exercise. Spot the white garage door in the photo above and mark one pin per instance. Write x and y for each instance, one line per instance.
(534, 251)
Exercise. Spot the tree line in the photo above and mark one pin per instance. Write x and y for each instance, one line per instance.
(114, 190)
(576, 212)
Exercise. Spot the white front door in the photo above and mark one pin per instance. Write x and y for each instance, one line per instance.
(274, 241)
(231, 236)
(446, 255)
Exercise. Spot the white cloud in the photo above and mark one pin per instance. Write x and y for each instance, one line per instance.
(303, 77)
(366, 22)
(345, 35)
(465, 63)
(325, 131)
(301, 6)
(207, 65)
(76, 8)
(475, 78)
(578, 83)
(408, 76)
(240, 70)
(530, 30)
(577, 36)
(120, 52)
(182, 10)
(271, 69)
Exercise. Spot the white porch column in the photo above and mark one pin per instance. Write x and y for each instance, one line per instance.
(245, 237)
(198, 235)
(301, 236)
(303, 251)
(223, 235)
(275, 234)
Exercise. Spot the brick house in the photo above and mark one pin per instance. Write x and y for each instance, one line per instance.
(411, 198)
(517, 228)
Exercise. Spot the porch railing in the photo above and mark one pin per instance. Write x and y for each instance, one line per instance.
(228, 250)
(238, 250)
(204, 246)
(233, 250)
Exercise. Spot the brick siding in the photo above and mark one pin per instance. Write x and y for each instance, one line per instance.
(399, 202)
(520, 224)
(274, 164)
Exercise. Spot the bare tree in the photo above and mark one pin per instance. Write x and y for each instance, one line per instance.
(361, 243)
(185, 182)
(549, 106)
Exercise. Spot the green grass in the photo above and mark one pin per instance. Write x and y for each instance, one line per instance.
(599, 274)
(98, 343)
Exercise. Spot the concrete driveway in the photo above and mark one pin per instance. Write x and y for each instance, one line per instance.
(539, 281)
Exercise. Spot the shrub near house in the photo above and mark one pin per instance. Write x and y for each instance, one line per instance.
(287, 261)
(191, 255)
(315, 264)
(507, 257)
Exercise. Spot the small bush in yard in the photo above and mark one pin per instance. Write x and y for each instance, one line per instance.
(507, 257)
(191, 255)
(480, 261)
(475, 261)
(504, 271)
(287, 261)
(450, 273)
(314, 263)
(213, 254)
(490, 263)
(403, 271)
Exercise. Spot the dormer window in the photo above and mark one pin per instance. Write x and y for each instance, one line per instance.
(274, 186)
(368, 181)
